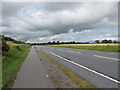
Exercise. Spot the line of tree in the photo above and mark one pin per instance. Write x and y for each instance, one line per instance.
(106, 41)
(73, 42)
(57, 42)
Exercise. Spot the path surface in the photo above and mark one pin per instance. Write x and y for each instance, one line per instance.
(32, 73)
(98, 68)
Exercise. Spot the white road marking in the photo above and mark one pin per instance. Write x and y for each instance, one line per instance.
(74, 52)
(47, 76)
(106, 57)
(79, 52)
(71, 51)
(114, 80)
(110, 53)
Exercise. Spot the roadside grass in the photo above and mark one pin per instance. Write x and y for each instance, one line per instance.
(10, 43)
(104, 48)
(0, 71)
(11, 62)
(79, 82)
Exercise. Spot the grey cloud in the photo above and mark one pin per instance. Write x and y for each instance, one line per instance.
(11, 8)
(22, 34)
(88, 35)
(44, 19)
(57, 6)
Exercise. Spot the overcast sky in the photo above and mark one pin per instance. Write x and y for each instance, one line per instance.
(65, 21)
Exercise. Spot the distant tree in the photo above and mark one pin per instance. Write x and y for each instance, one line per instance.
(86, 42)
(115, 41)
(109, 41)
(97, 41)
(67, 42)
(105, 41)
(73, 42)
(78, 42)
(49, 43)
(53, 42)
(62, 42)
(57, 42)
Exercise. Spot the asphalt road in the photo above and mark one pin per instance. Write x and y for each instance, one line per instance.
(98, 68)
(33, 73)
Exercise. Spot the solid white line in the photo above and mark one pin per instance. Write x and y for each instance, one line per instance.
(86, 68)
(106, 57)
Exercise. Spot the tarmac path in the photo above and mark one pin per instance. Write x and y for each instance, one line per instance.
(33, 73)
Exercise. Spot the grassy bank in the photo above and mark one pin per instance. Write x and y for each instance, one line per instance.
(79, 82)
(11, 62)
(94, 47)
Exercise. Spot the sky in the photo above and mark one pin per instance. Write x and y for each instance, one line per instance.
(60, 21)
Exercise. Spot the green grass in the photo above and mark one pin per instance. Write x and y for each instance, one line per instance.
(11, 62)
(0, 70)
(108, 48)
(79, 82)
(10, 43)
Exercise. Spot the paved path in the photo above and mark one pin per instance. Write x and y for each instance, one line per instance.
(32, 73)
(98, 68)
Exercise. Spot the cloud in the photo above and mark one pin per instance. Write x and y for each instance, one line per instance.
(31, 21)
(83, 36)
(11, 8)
(60, 0)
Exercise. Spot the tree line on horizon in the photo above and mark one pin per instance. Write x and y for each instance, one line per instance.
(73, 42)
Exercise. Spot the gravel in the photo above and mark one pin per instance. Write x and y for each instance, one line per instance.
(59, 79)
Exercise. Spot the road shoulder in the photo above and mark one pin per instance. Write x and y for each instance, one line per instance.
(60, 75)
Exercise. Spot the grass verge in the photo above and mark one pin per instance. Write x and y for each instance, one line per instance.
(79, 82)
(107, 48)
(11, 62)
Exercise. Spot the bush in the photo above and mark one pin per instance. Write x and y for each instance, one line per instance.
(18, 48)
(5, 47)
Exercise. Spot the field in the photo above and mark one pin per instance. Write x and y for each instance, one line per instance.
(11, 62)
(96, 47)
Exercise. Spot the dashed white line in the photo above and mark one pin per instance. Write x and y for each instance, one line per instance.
(74, 52)
(71, 51)
(114, 80)
(105, 57)
(79, 52)
(111, 53)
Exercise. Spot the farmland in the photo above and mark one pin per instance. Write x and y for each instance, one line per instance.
(96, 47)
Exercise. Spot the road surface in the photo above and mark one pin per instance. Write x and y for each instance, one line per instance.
(98, 68)
(32, 73)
